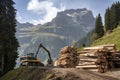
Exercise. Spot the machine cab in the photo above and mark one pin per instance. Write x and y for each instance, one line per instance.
(29, 56)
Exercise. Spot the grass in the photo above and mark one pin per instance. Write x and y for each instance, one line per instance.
(25, 73)
(12, 74)
(112, 38)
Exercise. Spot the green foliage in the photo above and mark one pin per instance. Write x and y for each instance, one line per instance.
(107, 20)
(99, 28)
(94, 37)
(112, 16)
(113, 38)
(85, 41)
(8, 40)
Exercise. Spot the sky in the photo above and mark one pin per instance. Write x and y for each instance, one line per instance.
(42, 11)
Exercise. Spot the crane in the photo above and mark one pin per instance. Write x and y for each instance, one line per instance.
(31, 59)
(50, 61)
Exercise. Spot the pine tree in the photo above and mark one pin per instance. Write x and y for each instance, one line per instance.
(99, 28)
(113, 16)
(117, 12)
(8, 41)
(108, 26)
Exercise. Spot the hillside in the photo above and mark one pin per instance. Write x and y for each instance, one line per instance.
(112, 38)
(53, 74)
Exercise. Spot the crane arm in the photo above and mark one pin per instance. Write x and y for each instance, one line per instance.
(41, 46)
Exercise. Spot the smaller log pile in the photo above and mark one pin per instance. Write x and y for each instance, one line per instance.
(105, 61)
(68, 57)
(108, 59)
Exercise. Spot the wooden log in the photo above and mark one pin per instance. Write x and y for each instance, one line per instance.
(64, 50)
(87, 67)
(95, 48)
(89, 51)
(88, 60)
(102, 47)
(85, 64)
(88, 57)
(114, 60)
(117, 55)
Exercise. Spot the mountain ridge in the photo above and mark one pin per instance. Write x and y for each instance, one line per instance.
(61, 31)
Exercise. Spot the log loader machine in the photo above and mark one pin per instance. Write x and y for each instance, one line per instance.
(32, 60)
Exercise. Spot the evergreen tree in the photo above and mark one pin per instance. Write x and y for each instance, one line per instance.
(108, 26)
(117, 12)
(8, 41)
(112, 16)
(99, 29)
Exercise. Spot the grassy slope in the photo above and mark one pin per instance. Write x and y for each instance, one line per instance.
(25, 73)
(113, 38)
(11, 74)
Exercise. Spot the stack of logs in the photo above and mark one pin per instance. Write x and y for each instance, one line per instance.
(87, 58)
(68, 57)
(102, 57)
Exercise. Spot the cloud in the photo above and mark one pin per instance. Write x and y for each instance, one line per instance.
(45, 8)
(18, 17)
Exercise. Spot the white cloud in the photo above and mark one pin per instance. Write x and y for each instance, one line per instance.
(46, 8)
(18, 17)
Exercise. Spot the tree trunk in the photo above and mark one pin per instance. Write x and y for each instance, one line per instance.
(2, 64)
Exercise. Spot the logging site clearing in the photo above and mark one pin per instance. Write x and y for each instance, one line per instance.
(93, 63)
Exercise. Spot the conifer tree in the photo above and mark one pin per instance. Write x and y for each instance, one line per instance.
(108, 26)
(117, 13)
(99, 29)
(113, 16)
(8, 41)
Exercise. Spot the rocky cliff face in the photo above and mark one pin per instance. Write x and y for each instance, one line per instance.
(66, 28)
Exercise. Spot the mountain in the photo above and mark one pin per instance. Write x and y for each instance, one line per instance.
(22, 25)
(66, 28)
(85, 41)
(112, 38)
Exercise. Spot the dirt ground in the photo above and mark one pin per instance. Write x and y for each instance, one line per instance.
(114, 73)
(39, 73)
(80, 74)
